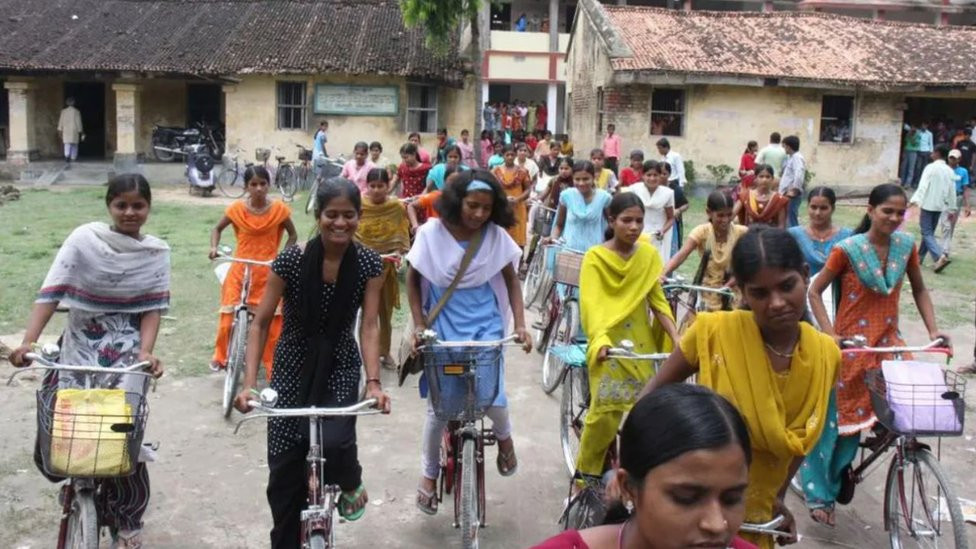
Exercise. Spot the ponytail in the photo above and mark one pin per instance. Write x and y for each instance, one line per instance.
(879, 195)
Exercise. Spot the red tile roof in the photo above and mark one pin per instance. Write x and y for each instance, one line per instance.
(217, 37)
(812, 47)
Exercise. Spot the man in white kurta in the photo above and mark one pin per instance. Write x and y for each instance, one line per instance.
(69, 125)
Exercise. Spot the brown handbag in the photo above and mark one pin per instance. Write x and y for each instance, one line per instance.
(412, 362)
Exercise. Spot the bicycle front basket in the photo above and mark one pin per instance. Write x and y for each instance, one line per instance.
(463, 381)
(90, 432)
(917, 409)
(567, 268)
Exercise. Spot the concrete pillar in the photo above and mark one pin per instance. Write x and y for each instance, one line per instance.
(484, 93)
(126, 125)
(553, 25)
(768, 7)
(23, 143)
(552, 106)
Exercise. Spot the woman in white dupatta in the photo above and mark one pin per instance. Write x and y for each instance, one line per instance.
(115, 282)
(474, 211)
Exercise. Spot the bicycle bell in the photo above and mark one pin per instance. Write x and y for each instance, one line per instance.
(268, 396)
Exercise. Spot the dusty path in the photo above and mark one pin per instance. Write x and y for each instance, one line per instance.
(208, 486)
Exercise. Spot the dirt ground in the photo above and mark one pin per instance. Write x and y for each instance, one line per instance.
(208, 484)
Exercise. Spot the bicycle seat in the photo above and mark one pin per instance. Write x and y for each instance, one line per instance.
(280, 159)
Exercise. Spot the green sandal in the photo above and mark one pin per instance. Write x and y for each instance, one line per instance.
(347, 504)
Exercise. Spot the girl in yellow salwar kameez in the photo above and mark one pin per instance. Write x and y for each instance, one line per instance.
(777, 370)
(619, 291)
(384, 227)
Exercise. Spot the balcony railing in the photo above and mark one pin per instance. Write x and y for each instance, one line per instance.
(525, 41)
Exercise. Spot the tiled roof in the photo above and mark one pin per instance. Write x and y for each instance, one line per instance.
(217, 37)
(795, 46)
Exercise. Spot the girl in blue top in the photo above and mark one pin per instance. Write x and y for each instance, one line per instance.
(819, 236)
(581, 220)
(438, 174)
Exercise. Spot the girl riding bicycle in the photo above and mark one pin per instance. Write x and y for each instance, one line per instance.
(474, 211)
(619, 289)
(871, 267)
(581, 218)
(777, 370)
(317, 363)
(112, 321)
(714, 241)
(258, 225)
(684, 469)
(384, 228)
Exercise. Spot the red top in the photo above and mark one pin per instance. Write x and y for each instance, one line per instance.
(413, 180)
(748, 162)
(628, 176)
(571, 539)
(532, 142)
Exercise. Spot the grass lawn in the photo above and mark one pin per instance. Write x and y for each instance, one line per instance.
(34, 227)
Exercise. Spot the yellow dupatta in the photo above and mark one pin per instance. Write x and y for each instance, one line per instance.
(385, 228)
(615, 294)
(785, 414)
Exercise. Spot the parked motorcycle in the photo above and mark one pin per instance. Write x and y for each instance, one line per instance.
(170, 141)
(199, 169)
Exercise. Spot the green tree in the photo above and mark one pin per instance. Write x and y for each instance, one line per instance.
(441, 21)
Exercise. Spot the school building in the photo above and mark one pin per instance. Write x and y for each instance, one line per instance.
(268, 70)
(712, 81)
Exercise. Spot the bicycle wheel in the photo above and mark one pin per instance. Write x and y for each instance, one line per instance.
(310, 203)
(235, 361)
(572, 413)
(469, 496)
(921, 508)
(82, 522)
(285, 181)
(585, 510)
(533, 278)
(563, 331)
(230, 184)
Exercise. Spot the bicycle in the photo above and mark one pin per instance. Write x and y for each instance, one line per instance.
(87, 443)
(305, 171)
(562, 318)
(536, 275)
(236, 348)
(586, 507)
(231, 178)
(685, 308)
(325, 169)
(284, 177)
(318, 521)
(463, 378)
(907, 491)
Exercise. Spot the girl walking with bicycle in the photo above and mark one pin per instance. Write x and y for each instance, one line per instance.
(581, 218)
(385, 229)
(619, 290)
(112, 321)
(870, 267)
(316, 363)
(358, 167)
(684, 469)
(776, 369)
(462, 283)
(258, 225)
(714, 242)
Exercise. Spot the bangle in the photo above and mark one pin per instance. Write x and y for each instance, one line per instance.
(373, 380)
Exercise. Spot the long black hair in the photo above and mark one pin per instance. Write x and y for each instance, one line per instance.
(765, 246)
(824, 192)
(128, 182)
(671, 421)
(334, 188)
(618, 204)
(879, 195)
(719, 200)
(259, 171)
(450, 203)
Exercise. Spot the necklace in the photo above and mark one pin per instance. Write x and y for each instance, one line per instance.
(820, 236)
(780, 353)
(257, 211)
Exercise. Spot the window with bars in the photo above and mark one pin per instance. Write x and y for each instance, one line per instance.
(421, 108)
(667, 111)
(599, 110)
(292, 106)
(836, 118)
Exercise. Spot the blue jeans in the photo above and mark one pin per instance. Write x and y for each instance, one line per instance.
(928, 221)
(793, 211)
(922, 159)
(908, 162)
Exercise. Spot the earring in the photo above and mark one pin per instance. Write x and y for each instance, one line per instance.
(630, 507)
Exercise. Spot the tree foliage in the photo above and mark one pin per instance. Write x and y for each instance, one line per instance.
(440, 19)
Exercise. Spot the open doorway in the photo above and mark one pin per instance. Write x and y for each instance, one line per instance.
(203, 104)
(90, 100)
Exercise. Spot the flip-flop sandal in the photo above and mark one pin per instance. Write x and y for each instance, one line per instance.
(828, 511)
(942, 267)
(430, 507)
(347, 504)
(503, 459)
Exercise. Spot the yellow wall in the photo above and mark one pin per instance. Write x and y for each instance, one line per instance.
(161, 102)
(251, 117)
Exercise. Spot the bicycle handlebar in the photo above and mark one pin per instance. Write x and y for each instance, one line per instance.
(677, 284)
(362, 408)
(857, 345)
(231, 259)
(770, 528)
(433, 342)
(617, 352)
(45, 364)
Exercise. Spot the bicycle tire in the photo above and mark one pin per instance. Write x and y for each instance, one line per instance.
(563, 331)
(470, 521)
(533, 278)
(82, 522)
(235, 361)
(310, 203)
(572, 413)
(285, 181)
(227, 183)
(585, 510)
(895, 485)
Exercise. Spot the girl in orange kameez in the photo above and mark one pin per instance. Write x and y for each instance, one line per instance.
(258, 225)
(760, 203)
(516, 182)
